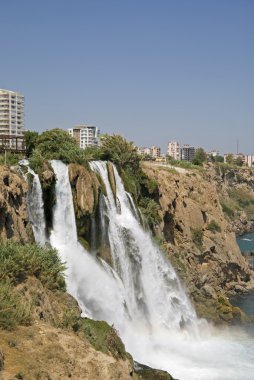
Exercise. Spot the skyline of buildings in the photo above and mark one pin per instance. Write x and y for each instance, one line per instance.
(12, 127)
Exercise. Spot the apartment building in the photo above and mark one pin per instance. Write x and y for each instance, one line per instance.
(11, 116)
(155, 151)
(187, 152)
(180, 152)
(85, 135)
(174, 150)
(249, 160)
(144, 151)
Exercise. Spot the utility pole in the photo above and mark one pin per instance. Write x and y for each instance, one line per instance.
(237, 146)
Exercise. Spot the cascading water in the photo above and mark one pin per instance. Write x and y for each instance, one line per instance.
(149, 280)
(142, 296)
(36, 209)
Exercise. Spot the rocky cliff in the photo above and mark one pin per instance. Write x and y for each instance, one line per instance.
(200, 241)
(14, 223)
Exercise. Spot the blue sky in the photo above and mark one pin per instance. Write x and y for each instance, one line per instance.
(152, 71)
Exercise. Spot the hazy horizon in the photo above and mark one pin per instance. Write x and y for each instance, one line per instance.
(153, 71)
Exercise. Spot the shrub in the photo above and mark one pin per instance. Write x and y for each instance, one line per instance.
(17, 262)
(213, 226)
(13, 309)
(150, 210)
(227, 209)
(197, 237)
(10, 159)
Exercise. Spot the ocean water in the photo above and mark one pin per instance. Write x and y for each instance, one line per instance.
(246, 301)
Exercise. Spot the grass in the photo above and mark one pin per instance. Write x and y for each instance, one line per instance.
(197, 237)
(214, 227)
(11, 159)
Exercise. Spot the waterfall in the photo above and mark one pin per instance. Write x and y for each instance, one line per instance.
(153, 293)
(36, 209)
(141, 295)
(92, 282)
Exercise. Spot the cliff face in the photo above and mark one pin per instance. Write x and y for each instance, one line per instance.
(14, 223)
(200, 241)
(236, 188)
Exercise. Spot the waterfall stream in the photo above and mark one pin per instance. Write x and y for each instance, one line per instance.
(142, 295)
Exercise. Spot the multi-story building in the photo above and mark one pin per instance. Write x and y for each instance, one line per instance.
(249, 160)
(174, 150)
(187, 152)
(85, 135)
(155, 151)
(11, 117)
(144, 151)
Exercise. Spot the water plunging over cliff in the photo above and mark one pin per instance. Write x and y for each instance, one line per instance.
(142, 295)
(36, 209)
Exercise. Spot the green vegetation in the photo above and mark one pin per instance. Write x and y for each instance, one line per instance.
(17, 263)
(13, 309)
(10, 159)
(121, 152)
(239, 199)
(200, 157)
(150, 210)
(55, 144)
(197, 237)
(31, 139)
(184, 164)
(214, 227)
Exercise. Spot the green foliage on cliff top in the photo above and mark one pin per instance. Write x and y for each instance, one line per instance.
(57, 144)
(17, 262)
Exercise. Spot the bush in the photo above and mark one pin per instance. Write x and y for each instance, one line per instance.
(150, 210)
(197, 237)
(56, 144)
(227, 210)
(213, 227)
(13, 309)
(121, 152)
(17, 262)
(10, 159)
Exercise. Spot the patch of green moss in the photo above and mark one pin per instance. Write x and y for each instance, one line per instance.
(103, 337)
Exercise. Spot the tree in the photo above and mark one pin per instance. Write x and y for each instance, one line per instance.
(200, 157)
(219, 159)
(230, 158)
(123, 153)
(239, 161)
(30, 141)
(59, 145)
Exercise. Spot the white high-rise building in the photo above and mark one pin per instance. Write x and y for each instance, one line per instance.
(174, 150)
(85, 135)
(11, 116)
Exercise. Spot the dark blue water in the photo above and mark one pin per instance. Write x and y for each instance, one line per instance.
(246, 301)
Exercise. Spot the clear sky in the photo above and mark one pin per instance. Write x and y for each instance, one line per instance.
(151, 70)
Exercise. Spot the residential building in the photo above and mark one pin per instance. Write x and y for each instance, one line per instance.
(155, 151)
(144, 151)
(85, 135)
(187, 152)
(11, 117)
(249, 160)
(174, 150)
(213, 153)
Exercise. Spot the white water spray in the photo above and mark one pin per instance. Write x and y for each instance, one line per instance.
(36, 209)
(143, 296)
